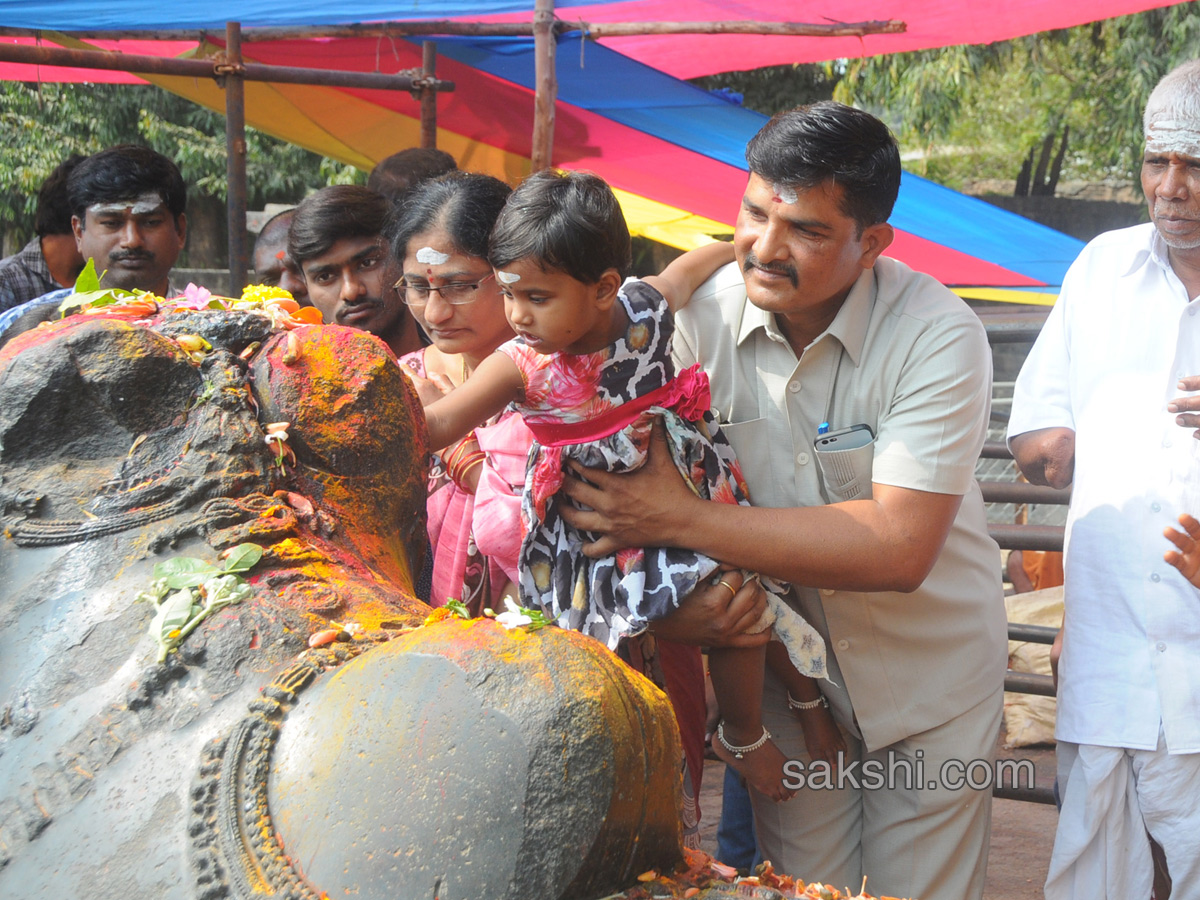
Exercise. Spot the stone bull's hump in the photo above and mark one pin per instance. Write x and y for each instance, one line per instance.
(458, 761)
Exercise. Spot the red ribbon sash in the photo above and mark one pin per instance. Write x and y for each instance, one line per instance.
(687, 394)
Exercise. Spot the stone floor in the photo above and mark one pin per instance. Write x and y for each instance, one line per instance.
(1022, 833)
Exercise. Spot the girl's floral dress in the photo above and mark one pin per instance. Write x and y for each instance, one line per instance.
(598, 409)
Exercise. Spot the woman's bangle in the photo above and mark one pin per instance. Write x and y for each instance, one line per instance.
(793, 703)
(456, 453)
(458, 471)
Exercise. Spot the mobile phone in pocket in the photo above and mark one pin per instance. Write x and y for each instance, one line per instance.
(845, 457)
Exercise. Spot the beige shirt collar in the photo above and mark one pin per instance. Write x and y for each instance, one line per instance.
(849, 326)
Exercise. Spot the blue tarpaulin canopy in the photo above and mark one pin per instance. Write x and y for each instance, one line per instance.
(673, 151)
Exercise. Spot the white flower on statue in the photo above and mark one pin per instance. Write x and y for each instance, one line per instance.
(513, 616)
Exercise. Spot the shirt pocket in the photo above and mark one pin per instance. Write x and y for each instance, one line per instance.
(751, 443)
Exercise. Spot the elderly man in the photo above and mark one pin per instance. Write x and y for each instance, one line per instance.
(1097, 404)
(127, 205)
(813, 335)
(336, 237)
(51, 259)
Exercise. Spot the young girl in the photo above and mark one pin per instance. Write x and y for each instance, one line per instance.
(589, 370)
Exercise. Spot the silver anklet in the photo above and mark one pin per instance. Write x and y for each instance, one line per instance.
(793, 703)
(740, 752)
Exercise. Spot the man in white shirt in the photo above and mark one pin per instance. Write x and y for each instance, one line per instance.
(1097, 405)
(810, 329)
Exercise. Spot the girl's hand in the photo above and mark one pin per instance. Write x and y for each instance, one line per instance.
(429, 389)
(641, 508)
(821, 736)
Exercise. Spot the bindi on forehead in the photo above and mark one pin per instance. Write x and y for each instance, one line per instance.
(783, 194)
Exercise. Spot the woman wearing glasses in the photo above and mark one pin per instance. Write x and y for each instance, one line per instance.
(474, 485)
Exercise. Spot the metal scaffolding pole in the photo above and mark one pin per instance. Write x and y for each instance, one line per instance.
(235, 156)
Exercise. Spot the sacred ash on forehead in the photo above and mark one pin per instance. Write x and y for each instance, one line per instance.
(1170, 136)
(432, 257)
(139, 206)
(507, 277)
(784, 193)
(1172, 116)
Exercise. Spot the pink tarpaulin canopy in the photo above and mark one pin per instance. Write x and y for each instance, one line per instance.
(674, 153)
(928, 23)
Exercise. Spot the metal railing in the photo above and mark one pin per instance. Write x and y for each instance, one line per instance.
(1021, 326)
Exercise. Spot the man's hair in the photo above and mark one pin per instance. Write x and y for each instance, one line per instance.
(829, 141)
(464, 204)
(568, 221)
(275, 230)
(53, 214)
(399, 173)
(125, 172)
(343, 211)
(1176, 98)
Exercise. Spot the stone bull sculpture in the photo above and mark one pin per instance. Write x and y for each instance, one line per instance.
(453, 760)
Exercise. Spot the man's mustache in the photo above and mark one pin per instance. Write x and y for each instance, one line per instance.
(122, 255)
(1170, 209)
(752, 262)
(363, 301)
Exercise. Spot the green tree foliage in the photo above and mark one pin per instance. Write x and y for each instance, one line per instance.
(971, 112)
(979, 111)
(43, 124)
(774, 88)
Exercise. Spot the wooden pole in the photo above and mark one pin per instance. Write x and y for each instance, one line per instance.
(428, 97)
(545, 85)
(201, 68)
(503, 29)
(235, 156)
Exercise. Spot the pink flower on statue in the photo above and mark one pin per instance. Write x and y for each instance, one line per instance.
(194, 297)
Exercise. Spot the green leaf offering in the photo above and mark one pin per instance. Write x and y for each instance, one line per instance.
(200, 589)
(94, 299)
(88, 280)
(243, 557)
(172, 617)
(185, 572)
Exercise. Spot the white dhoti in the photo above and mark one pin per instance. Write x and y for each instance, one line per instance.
(1111, 798)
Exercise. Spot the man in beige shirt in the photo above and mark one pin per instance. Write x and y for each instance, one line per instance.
(812, 329)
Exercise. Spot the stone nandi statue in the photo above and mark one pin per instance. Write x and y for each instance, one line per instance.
(308, 738)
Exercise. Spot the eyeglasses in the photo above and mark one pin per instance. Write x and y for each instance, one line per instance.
(456, 293)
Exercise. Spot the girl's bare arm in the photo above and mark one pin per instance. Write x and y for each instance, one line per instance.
(494, 384)
(680, 279)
